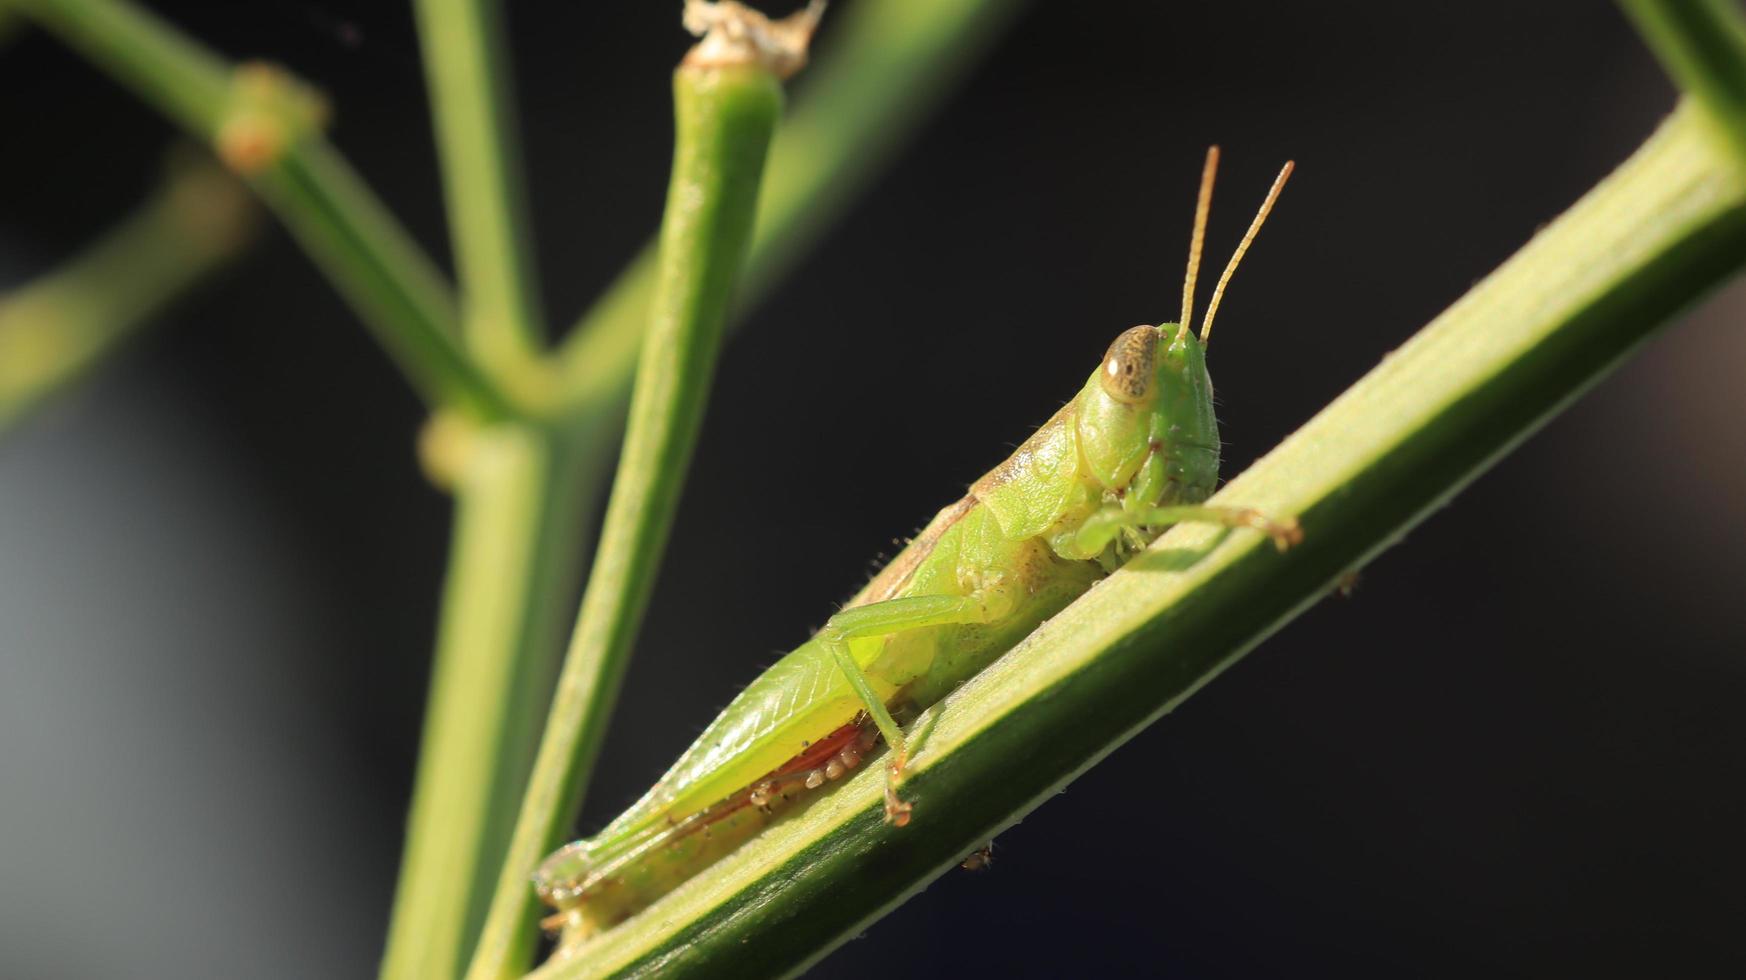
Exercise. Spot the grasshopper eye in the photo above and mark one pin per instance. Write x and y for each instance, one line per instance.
(1127, 368)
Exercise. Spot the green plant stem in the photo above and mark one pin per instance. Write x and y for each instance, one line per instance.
(472, 103)
(394, 287)
(522, 498)
(356, 242)
(1669, 225)
(55, 328)
(1702, 44)
(183, 80)
(725, 117)
(888, 63)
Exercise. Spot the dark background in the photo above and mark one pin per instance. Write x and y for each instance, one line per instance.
(1517, 749)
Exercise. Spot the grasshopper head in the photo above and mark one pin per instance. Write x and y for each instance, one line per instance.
(1145, 419)
(1146, 427)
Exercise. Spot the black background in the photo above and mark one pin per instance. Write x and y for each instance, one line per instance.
(1516, 749)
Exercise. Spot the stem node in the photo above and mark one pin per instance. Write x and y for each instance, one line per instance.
(269, 111)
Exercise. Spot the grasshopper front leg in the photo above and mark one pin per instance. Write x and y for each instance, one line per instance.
(885, 619)
(1101, 528)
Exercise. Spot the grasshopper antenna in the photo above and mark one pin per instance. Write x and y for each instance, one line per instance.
(1243, 246)
(1201, 208)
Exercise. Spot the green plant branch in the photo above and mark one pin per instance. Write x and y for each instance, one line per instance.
(348, 233)
(522, 497)
(887, 63)
(725, 115)
(1667, 226)
(472, 102)
(264, 125)
(1702, 44)
(55, 328)
(183, 80)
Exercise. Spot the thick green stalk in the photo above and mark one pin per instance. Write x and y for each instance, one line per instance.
(264, 124)
(1589, 289)
(1702, 43)
(55, 328)
(472, 103)
(726, 114)
(888, 64)
(522, 497)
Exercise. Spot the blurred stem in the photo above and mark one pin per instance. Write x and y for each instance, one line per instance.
(887, 64)
(522, 497)
(1666, 227)
(725, 115)
(1702, 44)
(52, 330)
(391, 285)
(183, 80)
(472, 103)
(264, 124)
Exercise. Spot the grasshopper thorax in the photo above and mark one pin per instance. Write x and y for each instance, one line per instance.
(1145, 420)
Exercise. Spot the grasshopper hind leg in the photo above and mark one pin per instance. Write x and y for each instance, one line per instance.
(885, 619)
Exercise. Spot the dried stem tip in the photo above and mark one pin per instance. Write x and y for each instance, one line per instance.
(735, 34)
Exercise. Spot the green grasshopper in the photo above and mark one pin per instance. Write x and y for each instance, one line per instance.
(1136, 451)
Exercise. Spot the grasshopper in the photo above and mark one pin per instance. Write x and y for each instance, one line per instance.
(1136, 451)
